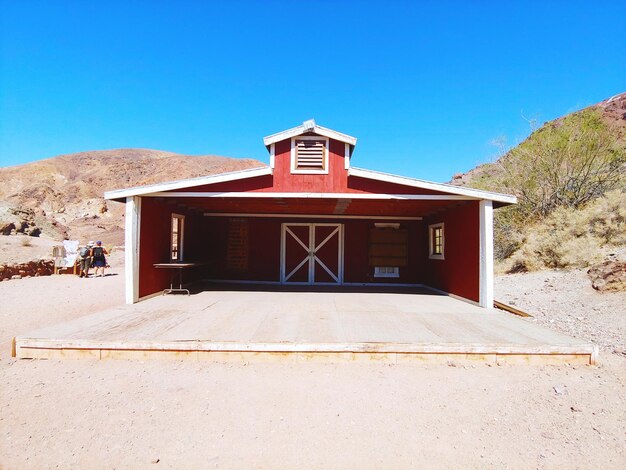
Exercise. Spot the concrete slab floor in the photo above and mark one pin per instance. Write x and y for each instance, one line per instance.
(273, 319)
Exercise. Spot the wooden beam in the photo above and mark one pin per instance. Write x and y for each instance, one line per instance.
(508, 308)
(308, 216)
(486, 253)
(131, 250)
(276, 195)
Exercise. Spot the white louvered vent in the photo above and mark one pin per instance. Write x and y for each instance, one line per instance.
(310, 154)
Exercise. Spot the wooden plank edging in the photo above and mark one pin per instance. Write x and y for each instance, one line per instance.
(23, 345)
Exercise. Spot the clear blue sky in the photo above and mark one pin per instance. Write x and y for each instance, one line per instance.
(424, 86)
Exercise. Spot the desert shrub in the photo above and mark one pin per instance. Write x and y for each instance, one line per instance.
(564, 165)
(570, 237)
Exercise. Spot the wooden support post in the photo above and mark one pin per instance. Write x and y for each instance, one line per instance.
(486, 254)
(133, 220)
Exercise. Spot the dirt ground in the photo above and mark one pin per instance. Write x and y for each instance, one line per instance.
(566, 302)
(170, 414)
(22, 248)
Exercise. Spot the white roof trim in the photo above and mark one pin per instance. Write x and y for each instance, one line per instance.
(308, 126)
(273, 195)
(188, 183)
(423, 184)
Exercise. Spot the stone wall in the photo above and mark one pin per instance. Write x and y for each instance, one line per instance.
(30, 269)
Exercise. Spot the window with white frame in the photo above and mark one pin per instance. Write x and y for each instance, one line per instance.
(436, 241)
(178, 233)
(309, 154)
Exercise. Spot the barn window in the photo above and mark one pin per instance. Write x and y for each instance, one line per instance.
(436, 241)
(178, 232)
(388, 250)
(309, 155)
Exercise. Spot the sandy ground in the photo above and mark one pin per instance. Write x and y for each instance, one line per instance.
(22, 248)
(31, 303)
(133, 414)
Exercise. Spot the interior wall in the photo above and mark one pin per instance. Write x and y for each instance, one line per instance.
(459, 272)
(264, 250)
(356, 254)
(154, 244)
(206, 241)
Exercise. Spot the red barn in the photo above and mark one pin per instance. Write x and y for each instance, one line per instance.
(311, 219)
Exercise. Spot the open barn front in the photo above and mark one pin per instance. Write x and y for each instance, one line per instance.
(310, 219)
(306, 242)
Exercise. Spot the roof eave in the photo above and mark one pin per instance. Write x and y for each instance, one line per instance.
(301, 129)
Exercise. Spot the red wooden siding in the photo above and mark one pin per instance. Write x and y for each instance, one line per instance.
(154, 244)
(263, 249)
(459, 272)
(334, 181)
(394, 207)
(356, 251)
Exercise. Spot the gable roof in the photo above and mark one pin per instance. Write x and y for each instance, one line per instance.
(431, 185)
(309, 126)
(121, 194)
(188, 183)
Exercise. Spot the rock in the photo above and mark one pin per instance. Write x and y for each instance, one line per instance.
(21, 226)
(6, 228)
(608, 276)
(15, 277)
(33, 231)
(560, 390)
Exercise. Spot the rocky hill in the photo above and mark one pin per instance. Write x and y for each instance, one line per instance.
(570, 179)
(63, 196)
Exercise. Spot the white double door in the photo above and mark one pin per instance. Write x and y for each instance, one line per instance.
(311, 254)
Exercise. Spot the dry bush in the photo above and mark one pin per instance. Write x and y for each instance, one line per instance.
(570, 237)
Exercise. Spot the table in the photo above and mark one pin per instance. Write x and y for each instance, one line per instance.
(173, 267)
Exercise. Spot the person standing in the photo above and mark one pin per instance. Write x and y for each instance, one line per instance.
(99, 262)
(84, 260)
